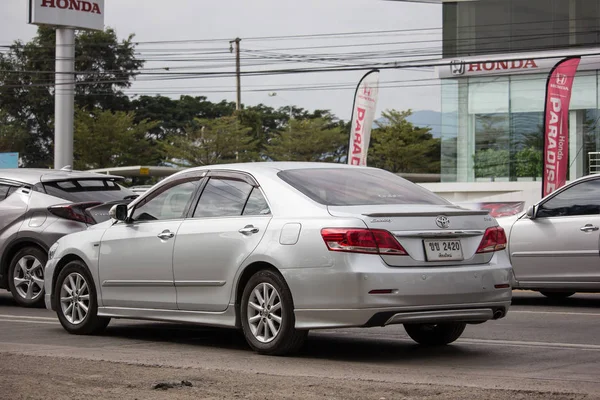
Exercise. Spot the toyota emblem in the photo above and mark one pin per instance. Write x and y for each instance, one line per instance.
(442, 221)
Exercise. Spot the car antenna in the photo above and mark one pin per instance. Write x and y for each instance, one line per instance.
(67, 168)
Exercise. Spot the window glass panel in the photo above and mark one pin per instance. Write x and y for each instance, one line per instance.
(527, 93)
(581, 199)
(488, 95)
(222, 198)
(3, 191)
(584, 90)
(257, 204)
(170, 204)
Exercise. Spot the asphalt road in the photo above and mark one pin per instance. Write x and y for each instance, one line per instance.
(542, 345)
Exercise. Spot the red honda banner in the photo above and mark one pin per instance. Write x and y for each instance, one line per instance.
(363, 114)
(556, 124)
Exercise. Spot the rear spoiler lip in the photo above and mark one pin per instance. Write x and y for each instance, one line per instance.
(428, 213)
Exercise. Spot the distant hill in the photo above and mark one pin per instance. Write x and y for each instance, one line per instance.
(428, 118)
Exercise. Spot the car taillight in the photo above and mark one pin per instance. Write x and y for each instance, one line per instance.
(74, 211)
(353, 240)
(494, 239)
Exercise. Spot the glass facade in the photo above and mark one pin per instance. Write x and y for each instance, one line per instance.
(492, 123)
(502, 26)
(492, 127)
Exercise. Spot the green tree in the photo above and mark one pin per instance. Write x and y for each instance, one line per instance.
(317, 139)
(13, 135)
(529, 162)
(111, 139)
(107, 66)
(211, 141)
(491, 163)
(399, 146)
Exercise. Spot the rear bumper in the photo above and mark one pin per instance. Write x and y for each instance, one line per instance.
(332, 318)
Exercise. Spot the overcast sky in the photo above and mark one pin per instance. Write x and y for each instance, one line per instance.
(186, 20)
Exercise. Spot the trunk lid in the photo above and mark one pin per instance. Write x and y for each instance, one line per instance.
(452, 234)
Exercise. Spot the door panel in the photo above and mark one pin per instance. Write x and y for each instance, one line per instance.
(555, 249)
(136, 265)
(207, 255)
(228, 223)
(136, 258)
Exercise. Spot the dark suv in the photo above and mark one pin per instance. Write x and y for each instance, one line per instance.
(37, 207)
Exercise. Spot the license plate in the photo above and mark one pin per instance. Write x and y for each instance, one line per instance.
(443, 250)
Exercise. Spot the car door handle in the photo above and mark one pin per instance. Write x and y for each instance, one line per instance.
(248, 230)
(166, 234)
(588, 228)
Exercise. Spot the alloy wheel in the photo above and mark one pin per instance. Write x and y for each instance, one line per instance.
(28, 278)
(264, 312)
(75, 298)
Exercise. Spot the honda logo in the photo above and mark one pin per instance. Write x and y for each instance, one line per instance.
(457, 67)
(561, 79)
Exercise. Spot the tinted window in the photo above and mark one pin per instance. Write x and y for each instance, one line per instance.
(223, 198)
(88, 190)
(170, 203)
(3, 191)
(581, 199)
(256, 204)
(357, 186)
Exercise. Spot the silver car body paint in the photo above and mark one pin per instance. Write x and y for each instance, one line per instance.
(194, 276)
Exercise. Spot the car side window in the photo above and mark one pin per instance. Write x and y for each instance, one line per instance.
(11, 190)
(580, 199)
(256, 204)
(222, 198)
(3, 191)
(170, 203)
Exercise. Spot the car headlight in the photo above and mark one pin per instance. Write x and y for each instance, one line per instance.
(52, 251)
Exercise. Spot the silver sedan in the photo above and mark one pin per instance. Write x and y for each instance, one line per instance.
(278, 249)
(555, 246)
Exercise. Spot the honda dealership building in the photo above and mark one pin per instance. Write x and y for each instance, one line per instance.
(497, 56)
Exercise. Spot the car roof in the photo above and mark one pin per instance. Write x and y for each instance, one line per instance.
(35, 175)
(271, 166)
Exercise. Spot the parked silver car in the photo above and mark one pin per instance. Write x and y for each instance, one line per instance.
(38, 206)
(277, 249)
(555, 246)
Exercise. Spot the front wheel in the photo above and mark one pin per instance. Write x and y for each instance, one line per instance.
(267, 314)
(435, 334)
(557, 295)
(77, 305)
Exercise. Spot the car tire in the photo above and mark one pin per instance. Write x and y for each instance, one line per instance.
(76, 301)
(26, 276)
(267, 315)
(557, 295)
(435, 334)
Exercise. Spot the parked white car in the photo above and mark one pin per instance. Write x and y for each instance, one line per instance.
(278, 249)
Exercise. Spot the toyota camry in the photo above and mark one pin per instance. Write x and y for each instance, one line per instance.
(278, 249)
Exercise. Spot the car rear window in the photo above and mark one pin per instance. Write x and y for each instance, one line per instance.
(357, 186)
(82, 190)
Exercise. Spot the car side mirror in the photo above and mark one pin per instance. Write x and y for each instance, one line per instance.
(532, 212)
(118, 212)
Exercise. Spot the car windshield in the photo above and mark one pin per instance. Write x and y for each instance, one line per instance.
(357, 186)
(82, 190)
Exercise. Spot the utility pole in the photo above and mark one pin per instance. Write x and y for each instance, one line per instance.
(238, 99)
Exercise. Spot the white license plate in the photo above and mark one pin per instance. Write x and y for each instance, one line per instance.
(443, 250)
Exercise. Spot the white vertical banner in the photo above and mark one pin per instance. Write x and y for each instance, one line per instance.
(363, 114)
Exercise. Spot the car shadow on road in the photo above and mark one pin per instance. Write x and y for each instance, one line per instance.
(576, 301)
(330, 345)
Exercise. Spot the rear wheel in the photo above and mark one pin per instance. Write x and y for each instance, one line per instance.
(435, 334)
(557, 295)
(267, 315)
(75, 297)
(26, 276)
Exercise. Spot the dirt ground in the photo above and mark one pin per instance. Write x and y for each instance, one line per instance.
(31, 377)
